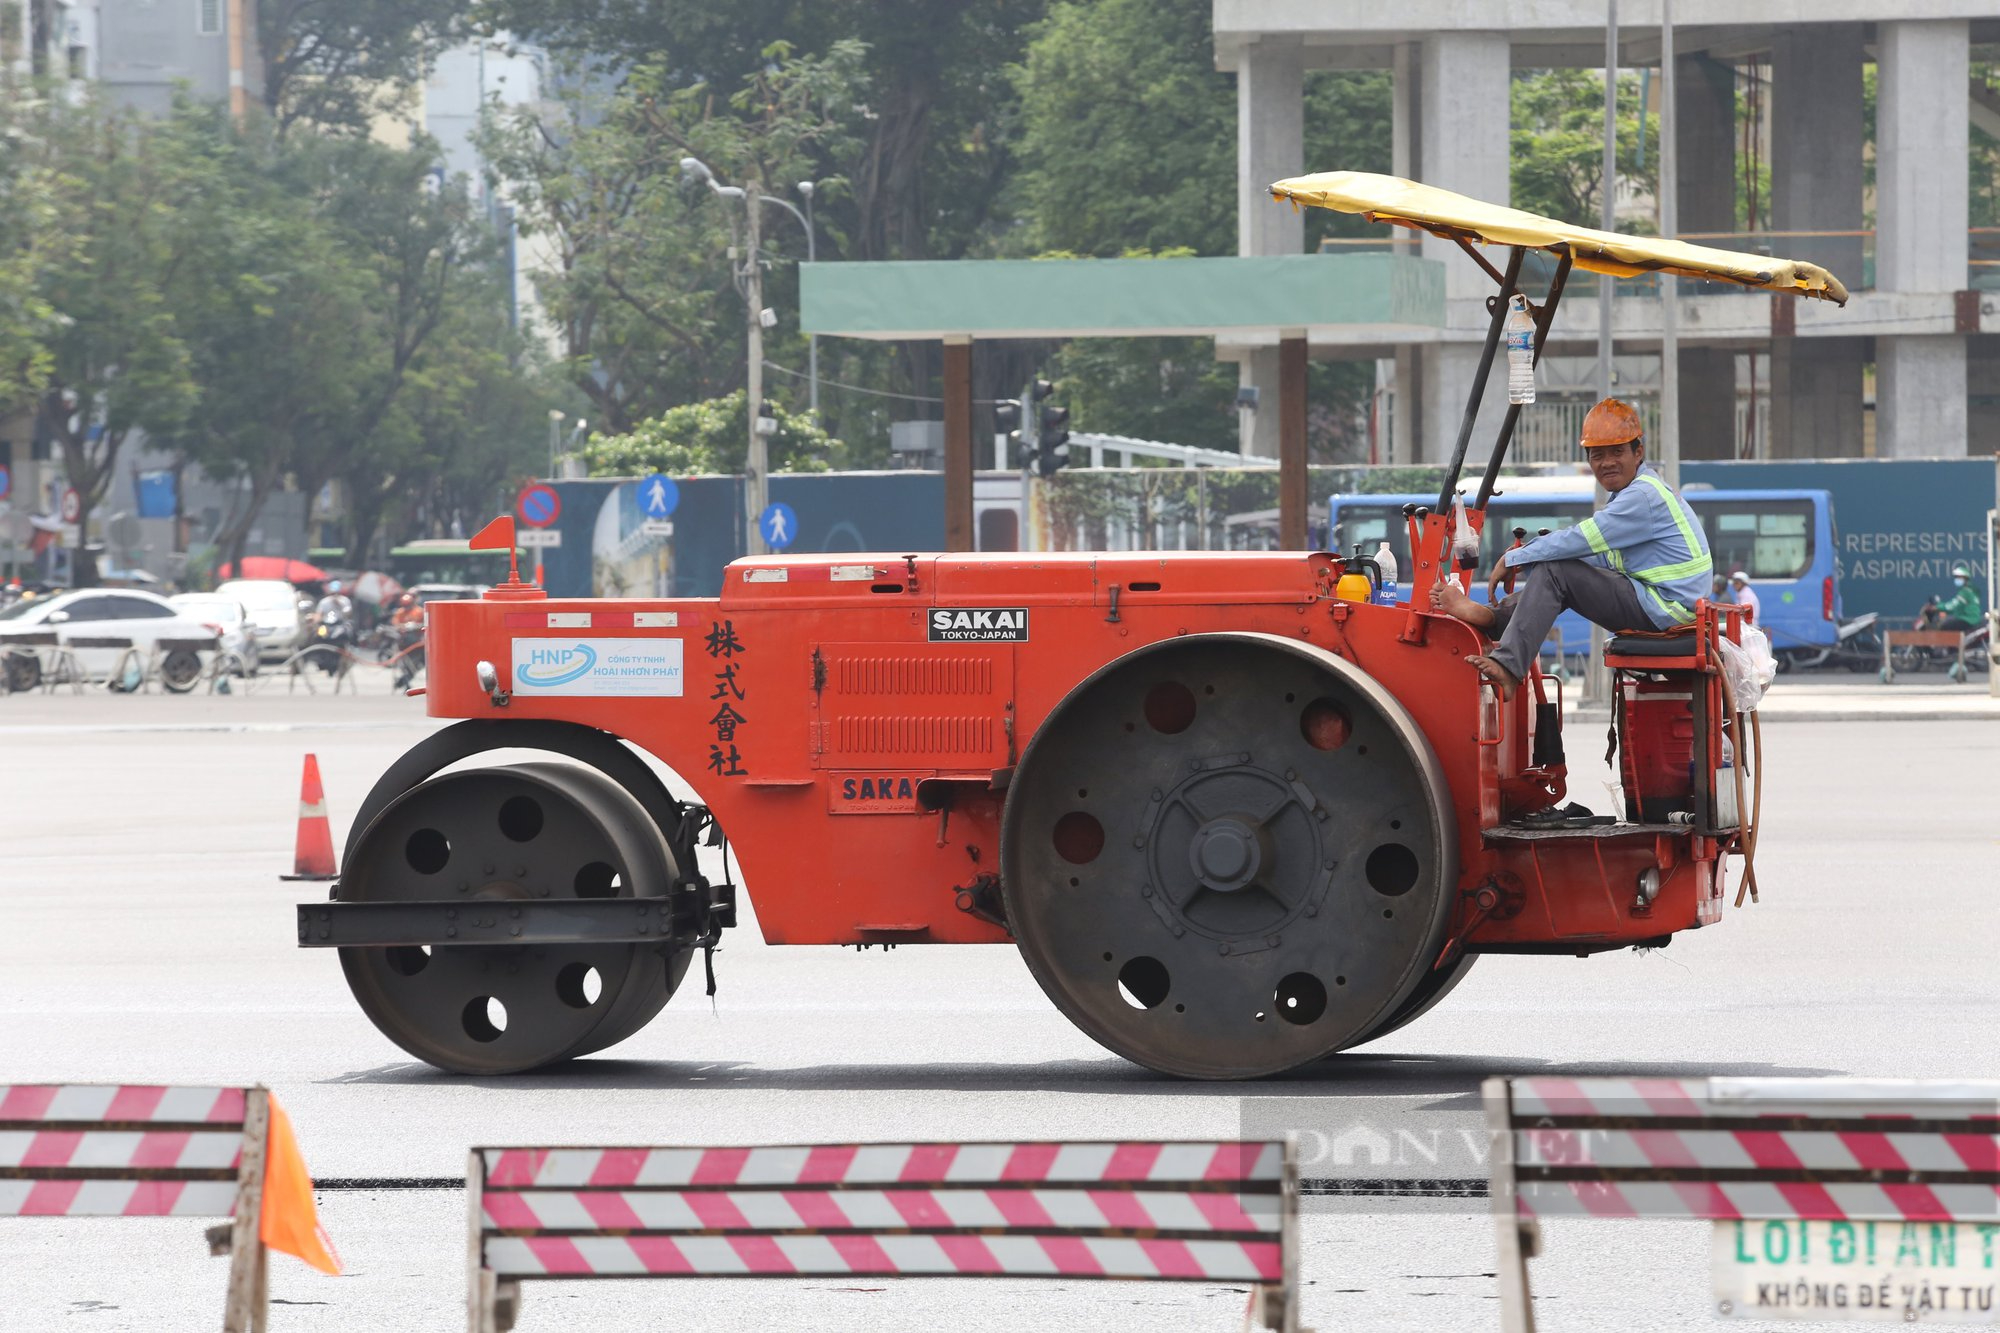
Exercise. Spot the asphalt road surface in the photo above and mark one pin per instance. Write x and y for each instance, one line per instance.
(144, 936)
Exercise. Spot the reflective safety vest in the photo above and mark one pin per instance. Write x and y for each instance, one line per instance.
(1648, 534)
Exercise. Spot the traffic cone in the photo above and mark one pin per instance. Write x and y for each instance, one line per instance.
(314, 856)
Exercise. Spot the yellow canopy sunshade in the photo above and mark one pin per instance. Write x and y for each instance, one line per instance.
(1455, 217)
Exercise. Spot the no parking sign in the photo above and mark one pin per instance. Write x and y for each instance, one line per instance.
(538, 506)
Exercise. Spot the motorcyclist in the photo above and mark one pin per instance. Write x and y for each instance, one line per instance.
(335, 605)
(333, 627)
(409, 612)
(1961, 611)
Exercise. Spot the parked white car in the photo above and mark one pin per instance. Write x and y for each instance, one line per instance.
(143, 617)
(273, 605)
(230, 621)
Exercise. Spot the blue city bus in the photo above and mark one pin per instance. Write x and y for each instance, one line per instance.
(1783, 539)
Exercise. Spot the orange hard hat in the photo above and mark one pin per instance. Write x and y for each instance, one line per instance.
(1612, 421)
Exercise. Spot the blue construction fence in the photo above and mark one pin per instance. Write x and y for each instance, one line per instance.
(1901, 524)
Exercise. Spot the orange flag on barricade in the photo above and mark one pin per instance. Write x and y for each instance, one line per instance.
(291, 1219)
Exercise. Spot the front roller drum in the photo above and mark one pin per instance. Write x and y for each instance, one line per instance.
(1229, 855)
(520, 832)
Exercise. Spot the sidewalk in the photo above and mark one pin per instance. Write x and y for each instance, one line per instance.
(1851, 697)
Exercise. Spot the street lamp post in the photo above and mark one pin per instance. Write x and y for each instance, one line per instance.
(757, 460)
(812, 339)
(555, 437)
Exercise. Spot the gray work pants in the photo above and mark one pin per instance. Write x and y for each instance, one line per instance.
(1547, 589)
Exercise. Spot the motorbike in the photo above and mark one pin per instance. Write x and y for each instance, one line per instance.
(333, 640)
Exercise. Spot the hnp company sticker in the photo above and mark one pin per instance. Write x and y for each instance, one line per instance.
(650, 667)
(982, 624)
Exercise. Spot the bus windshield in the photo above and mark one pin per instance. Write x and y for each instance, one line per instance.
(445, 561)
(1765, 537)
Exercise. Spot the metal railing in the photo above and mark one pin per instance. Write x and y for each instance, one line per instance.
(1549, 429)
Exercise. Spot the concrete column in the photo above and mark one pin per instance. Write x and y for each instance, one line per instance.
(1462, 138)
(958, 460)
(1462, 145)
(1403, 424)
(1816, 397)
(1292, 441)
(1257, 429)
(1922, 124)
(1920, 396)
(1708, 402)
(1405, 134)
(1816, 168)
(1446, 381)
(1982, 384)
(1405, 110)
(1270, 145)
(1921, 209)
(1705, 98)
(1817, 144)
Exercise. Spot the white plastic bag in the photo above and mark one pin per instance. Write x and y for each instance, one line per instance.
(1751, 667)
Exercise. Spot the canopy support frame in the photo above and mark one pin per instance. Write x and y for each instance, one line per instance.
(1545, 318)
(1495, 327)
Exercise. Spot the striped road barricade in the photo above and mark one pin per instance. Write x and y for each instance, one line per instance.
(1831, 1199)
(1211, 1212)
(106, 1150)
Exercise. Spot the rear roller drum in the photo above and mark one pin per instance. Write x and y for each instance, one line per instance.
(486, 836)
(1229, 855)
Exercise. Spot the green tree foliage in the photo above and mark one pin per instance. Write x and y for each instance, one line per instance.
(640, 292)
(933, 167)
(1558, 143)
(33, 243)
(113, 360)
(711, 437)
(1128, 132)
(335, 63)
(276, 309)
(1984, 176)
(271, 309)
(1128, 148)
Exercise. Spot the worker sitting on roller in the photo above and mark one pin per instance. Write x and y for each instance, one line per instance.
(1639, 563)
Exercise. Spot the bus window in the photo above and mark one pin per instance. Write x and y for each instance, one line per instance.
(1534, 515)
(1371, 525)
(1766, 539)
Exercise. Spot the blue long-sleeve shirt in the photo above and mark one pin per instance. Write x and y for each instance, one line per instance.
(1648, 534)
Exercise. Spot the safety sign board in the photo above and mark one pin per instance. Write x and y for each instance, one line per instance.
(1884, 1272)
(658, 496)
(779, 525)
(597, 666)
(528, 538)
(538, 506)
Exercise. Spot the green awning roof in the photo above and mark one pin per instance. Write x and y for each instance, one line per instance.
(1334, 298)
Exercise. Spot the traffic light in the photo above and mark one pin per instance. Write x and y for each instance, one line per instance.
(1007, 422)
(1052, 432)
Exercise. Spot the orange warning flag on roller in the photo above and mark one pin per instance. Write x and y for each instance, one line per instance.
(291, 1219)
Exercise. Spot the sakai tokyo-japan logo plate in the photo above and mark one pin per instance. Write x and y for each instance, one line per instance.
(649, 667)
(979, 624)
